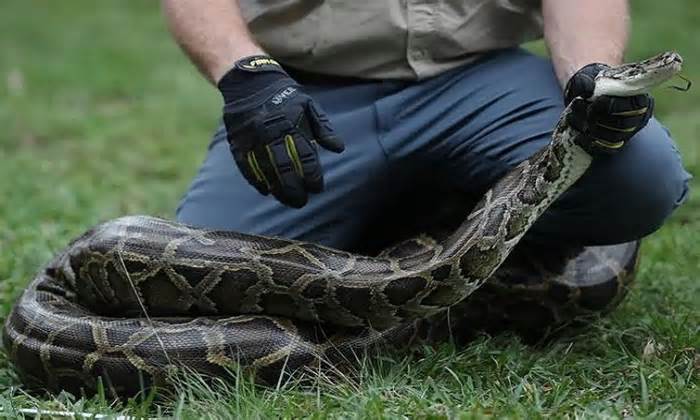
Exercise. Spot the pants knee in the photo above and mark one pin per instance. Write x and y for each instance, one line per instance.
(622, 197)
(648, 201)
(643, 188)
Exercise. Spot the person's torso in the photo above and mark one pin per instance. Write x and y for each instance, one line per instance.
(383, 39)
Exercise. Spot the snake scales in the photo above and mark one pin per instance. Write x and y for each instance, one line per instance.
(141, 296)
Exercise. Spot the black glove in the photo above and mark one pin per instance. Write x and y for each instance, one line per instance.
(272, 128)
(608, 121)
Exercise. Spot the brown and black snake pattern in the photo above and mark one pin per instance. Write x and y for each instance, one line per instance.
(139, 297)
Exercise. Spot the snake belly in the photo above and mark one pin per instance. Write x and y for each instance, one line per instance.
(138, 297)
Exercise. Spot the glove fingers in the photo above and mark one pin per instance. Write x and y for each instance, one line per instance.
(288, 187)
(610, 108)
(322, 129)
(249, 165)
(617, 119)
(305, 154)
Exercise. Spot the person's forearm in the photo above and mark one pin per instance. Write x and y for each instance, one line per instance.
(582, 32)
(212, 33)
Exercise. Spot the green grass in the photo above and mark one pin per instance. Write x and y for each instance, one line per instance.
(101, 115)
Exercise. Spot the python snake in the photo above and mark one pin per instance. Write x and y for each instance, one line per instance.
(139, 297)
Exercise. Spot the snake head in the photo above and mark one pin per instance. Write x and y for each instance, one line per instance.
(638, 78)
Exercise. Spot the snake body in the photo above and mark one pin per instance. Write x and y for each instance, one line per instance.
(139, 297)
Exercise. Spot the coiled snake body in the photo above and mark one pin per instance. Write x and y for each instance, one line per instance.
(141, 295)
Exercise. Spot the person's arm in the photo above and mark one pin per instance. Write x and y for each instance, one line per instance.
(578, 33)
(212, 33)
(273, 126)
(584, 38)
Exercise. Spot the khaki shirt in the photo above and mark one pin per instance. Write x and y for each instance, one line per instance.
(385, 39)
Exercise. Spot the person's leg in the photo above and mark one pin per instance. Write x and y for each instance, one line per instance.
(620, 198)
(220, 198)
(472, 125)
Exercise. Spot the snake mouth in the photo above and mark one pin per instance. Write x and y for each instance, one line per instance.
(609, 145)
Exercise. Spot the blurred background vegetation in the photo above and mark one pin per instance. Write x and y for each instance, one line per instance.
(101, 115)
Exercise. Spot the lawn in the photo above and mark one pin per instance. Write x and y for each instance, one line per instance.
(101, 116)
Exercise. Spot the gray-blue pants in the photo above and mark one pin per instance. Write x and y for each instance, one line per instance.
(465, 129)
